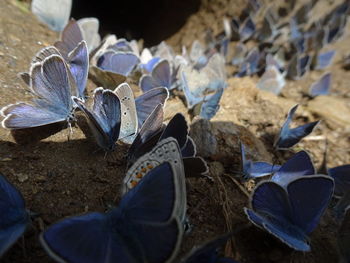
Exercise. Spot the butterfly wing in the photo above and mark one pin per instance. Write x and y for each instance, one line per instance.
(195, 166)
(259, 169)
(78, 60)
(71, 36)
(129, 122)
(161, 74)
(50, 81)
(322, 86)
(148, 135)
(89, 29)
(54, 13)
(189, 149)
(309, 197)
(104, 120)
(148, 101)
(324, 59)
(15, 218)
(341, 176)
(271, 211)
(119, 62)
(298, 165)
(167, 150)
(293, 136)
(152, 207)
(210, 105)
(87, 238)
(178, 129)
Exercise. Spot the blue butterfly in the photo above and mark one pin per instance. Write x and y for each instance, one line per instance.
(344, 237)
(252, 170)
(145, 227)
(148, 67)
(14, 216)
(288, 137)
(122, 63)
(210, 105)
(161, 76)
(153, 131)
(50, 82)
(247, 29)
(291, 211)
(104, 119)
(321, 86)
(208, 253)
(324, 60)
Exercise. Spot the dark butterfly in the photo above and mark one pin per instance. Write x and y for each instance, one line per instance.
(145, 227)
(292, 210)
(14, 216)
(153, 131)
(288, 137)
(252, 170)
(104, 119)
(208, 253)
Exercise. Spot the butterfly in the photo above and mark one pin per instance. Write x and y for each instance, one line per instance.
(239, 54)
(272, 80)
(211, 104)
(286, 212)
(145, 227)
(153, 131)
(14, 216)
(135, 111)
(247, 29)
(321, 86)
(104, 119)
(53, 13)
(161, 76)
(250, 64)
(344, 237)
(89, 28)
(324, 60)
(122, 63)
(298, 66)
(52, 109)
(208, 252)
(288, 137)
(197, 85)
(252, 170)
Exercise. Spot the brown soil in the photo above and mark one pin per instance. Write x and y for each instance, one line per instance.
(60, 177)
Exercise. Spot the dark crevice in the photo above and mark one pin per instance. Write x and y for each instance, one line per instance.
(152, 20)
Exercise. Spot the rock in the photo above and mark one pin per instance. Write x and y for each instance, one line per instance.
(22, 177)
(333, 110)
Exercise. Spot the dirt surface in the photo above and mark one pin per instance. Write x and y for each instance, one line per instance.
(60, 177)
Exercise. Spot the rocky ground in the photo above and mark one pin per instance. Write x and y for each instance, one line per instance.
(60, 177)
